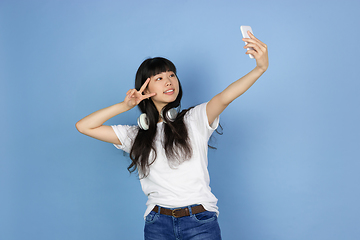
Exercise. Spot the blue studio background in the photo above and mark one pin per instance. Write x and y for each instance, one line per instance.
(286, 167)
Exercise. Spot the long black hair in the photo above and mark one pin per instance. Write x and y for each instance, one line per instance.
(176, 140)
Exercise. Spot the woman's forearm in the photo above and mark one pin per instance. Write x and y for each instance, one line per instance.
(96, 119)
(240, 86)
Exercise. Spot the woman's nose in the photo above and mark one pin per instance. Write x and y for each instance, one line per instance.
(168, 82)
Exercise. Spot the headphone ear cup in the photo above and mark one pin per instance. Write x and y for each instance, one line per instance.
(143, 121)
(172, 114)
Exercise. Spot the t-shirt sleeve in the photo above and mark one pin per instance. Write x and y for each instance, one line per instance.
(126, 134)
(198, 117)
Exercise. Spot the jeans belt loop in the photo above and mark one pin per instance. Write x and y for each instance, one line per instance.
(189, 208)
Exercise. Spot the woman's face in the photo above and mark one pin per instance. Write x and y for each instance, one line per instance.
(166, 87)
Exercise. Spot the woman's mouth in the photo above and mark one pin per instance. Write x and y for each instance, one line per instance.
(169, 92)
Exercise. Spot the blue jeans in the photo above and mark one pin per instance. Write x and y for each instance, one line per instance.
(198, 226)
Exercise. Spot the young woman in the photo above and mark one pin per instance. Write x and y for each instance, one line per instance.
(169, 150)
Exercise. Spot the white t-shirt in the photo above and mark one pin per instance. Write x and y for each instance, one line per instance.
(180, 185)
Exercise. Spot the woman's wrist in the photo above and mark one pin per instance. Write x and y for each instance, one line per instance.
(124, 107)
(260, 70)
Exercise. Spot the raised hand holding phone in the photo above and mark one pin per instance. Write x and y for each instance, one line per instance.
(255, 48)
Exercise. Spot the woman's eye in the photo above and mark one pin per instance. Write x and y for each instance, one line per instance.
(158, 79)
(172, 75)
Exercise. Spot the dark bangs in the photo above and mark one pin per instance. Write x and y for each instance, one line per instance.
(151, 67)
(159, 65)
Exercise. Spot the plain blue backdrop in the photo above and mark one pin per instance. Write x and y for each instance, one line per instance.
(286, 167)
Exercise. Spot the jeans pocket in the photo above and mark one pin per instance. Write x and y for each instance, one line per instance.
(151, 217)
(206, 216)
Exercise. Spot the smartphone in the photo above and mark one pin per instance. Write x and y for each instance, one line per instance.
(244, 30)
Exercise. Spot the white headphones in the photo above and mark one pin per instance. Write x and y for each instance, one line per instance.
(143, 120)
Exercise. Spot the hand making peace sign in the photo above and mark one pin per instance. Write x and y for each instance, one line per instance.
(134, 97)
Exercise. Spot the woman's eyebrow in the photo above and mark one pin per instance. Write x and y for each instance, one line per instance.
(159, 74)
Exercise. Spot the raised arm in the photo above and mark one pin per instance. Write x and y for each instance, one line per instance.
(218, 103)
(92, 125)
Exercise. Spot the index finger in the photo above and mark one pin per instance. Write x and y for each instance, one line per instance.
(149, 95)
(144, 85)
(251, 35)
